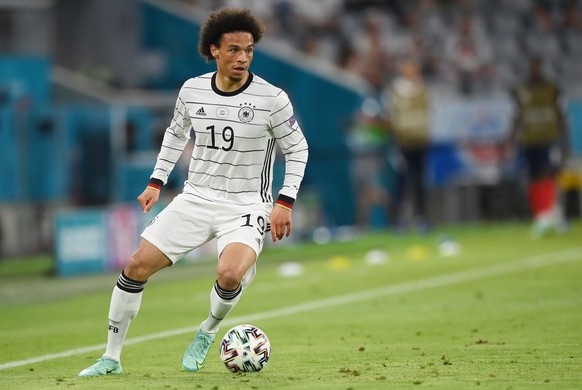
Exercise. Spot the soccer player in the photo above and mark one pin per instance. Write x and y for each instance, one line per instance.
(539, 129)
(238, 119)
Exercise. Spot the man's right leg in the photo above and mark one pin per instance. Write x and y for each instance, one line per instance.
(125, 303)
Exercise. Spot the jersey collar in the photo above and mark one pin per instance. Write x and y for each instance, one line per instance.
(233, 93)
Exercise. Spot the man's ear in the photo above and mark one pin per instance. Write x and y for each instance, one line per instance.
(214, 51)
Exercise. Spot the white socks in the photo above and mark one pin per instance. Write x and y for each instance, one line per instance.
(124, 306)
(221, 303)
(126, 301)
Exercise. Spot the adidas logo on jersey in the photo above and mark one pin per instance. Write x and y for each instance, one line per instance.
(201, 111)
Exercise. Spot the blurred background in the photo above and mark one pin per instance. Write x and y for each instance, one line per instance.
(87, 88)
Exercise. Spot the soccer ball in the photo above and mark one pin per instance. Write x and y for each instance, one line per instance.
(245, 348)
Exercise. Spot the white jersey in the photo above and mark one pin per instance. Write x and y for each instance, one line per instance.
(235, 137)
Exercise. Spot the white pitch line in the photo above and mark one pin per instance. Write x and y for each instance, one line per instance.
(555, 258)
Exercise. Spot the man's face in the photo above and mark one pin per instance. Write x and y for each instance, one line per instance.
(234, 55)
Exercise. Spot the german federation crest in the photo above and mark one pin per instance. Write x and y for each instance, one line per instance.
(246, 114)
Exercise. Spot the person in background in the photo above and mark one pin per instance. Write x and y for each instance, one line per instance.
(238, 119)
(540, 132)
(469, 53)
(407, 103)
(368, 141)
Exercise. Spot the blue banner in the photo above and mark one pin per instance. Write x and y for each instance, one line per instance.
(97, 240)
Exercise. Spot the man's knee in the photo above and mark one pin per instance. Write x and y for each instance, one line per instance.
(137, 268)
(228, 279)
(140, 267)
(145, 262)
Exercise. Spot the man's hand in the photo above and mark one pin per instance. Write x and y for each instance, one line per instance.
(148, 198)
(280, 223)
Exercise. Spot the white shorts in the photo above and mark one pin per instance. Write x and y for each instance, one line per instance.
(190, 221)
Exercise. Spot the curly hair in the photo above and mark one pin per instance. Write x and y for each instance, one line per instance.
(226, 20)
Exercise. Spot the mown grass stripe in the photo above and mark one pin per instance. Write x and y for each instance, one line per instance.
(544, 260)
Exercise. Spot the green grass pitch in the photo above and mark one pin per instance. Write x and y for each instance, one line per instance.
(505, 313)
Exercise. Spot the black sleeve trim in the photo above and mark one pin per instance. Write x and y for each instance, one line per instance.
(285, 200)
(156, 182)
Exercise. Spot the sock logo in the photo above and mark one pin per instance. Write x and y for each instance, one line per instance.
(113, 329)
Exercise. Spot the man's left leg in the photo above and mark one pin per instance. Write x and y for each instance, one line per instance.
(234, 262)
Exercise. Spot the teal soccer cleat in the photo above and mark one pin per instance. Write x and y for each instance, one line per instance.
(104, 366)
(195, 355)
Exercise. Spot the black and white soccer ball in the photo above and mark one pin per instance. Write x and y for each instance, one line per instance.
(245, 348)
